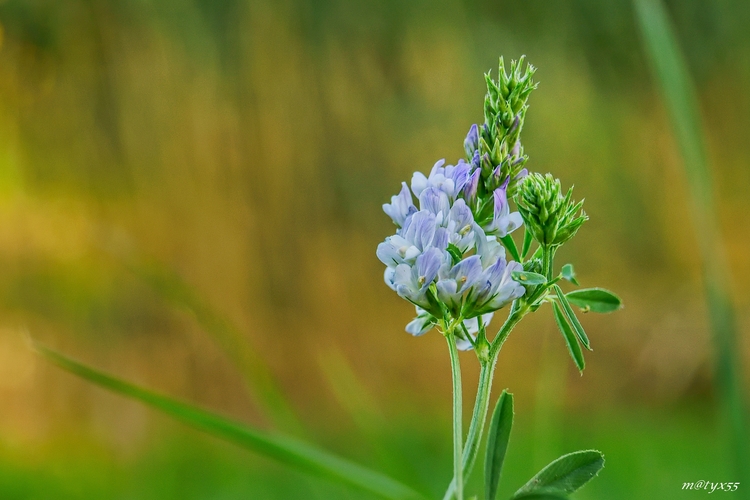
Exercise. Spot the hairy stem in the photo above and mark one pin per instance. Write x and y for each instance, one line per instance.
(457, 417)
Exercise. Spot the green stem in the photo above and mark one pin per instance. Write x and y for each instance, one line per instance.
(482, 403)
(457, 417)
(548, 257)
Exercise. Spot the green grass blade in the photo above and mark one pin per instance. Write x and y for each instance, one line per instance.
(570, 338)
(566, 474)
(291, 452)
(259, 381)
(571, 315)
(497, 444)
(680, 98)
(540, 495)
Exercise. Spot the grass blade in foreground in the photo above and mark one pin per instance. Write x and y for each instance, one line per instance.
(497, 443)
(291, 452)
(541, 495)
(565, 475)
(670, 71)
(260, 383)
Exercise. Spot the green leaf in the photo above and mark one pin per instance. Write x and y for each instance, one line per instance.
(511, 246)
(527, 239)
(528, 278)
(291, 452)
(569, 274)
(571, 315)
(497, 444)
(566, 474)
(597, 300)
(570, 338)
(543, 494)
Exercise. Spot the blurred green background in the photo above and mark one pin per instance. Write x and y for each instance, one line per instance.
(190, 198)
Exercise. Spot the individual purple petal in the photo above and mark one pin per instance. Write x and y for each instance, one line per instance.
(516, 148)
(488, 249)
(475, 161)
(471, 143)
(419, 229)
(427, 267)
(459, 174)
(418, 183)
(401, 206)
(440, 240)
(521, 174)
(434, 201)
(470, 188)
(503, 222)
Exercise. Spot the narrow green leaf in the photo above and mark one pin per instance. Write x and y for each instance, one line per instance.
(570, 338)
(566, 474)
(291, 452)
(510, 245)
(545, 494)
(569, 274)
(528, 278)
(596, 300)
(527, 239)
(571, 315)
(497, 444)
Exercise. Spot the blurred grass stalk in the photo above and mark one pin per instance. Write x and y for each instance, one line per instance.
(268, 397)
(670, 70)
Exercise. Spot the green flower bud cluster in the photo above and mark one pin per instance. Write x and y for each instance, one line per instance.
(551, 217)
(500, 150)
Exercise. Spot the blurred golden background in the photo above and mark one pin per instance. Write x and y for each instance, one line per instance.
(190, 198)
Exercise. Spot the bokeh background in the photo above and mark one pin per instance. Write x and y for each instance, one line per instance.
(190, 198)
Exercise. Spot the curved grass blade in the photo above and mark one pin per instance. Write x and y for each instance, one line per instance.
(596, 300)
(565, 475)
(291, 452)
(497, 444)
(570, 338)
(571, 315)
(264, 391)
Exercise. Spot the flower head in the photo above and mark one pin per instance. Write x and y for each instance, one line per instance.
(552, 218)
(441, 259)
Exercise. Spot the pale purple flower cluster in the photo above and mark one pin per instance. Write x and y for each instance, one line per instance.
(441, 259)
